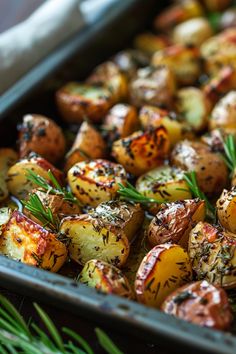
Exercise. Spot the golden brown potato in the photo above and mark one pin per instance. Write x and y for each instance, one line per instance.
(194, 107)
(226, 208)
(174, 222)
(106, 278)
(77, 101)
(165, 268)
(7, 158)
(211, 170)
(96, 181)
(184, 61)
(149, 43)
(216, 5)
(142, 151)
(95, 237)
(215, 140)
(88, 144)
(24, 240)
(130, 60)
(213, 254)
(201, 303)
(224, 113)
(17, 182)
(41, 135)
(154, 86)
(192, 32)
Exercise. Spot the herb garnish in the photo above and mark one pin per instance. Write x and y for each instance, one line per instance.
(131, 194)
(230, 153)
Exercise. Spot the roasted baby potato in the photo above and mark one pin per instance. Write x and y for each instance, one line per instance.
(194, 107)
(153, 86)
(226, 208)
(149, 43)
(77, 101)
(96, 181)
(41, 135)
(7, 158)
(106, 278)
(224, 113)
(165, 268)
(17, 182)
(211, 170)
(142, 151)
(95, 237)
(129, 61)
(201, 303)
(184, 61)
(173, 223)
(88, 144)
(192, 32)
(215, 140)
(213, 254)
(24, 240)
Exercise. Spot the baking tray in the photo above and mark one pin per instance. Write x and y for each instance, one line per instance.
(34, 93)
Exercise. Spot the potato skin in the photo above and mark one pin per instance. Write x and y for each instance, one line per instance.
(210, 168)
(106, 278)
(24, 240)
(174, 221)
(226, 208)
(96, 181)
(201, 303)
(163, 269)
(213, 254)
(142, 151)
(149, 43)
(7, 158)
(224, 113)
(41, 135)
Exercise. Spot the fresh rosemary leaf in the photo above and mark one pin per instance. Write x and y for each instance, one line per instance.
(78, 339)
(230, 152)
(107, 343)
(131, 194)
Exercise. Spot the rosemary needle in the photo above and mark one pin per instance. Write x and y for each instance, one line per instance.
(131, 194)
(230, 153)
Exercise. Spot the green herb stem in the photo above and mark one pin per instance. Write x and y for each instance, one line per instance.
(131, 194)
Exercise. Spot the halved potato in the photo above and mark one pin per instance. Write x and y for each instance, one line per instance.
(149, 43)
(130, 60)
(88, 144)
(165, 268)
(24, 240)
(226, 209)
(93, 237)
(142, 151)
(7, 158)
(43, 136)
(213, 254)
(17, 182)
(106, 278)
(174, 222)
(224, 113)
(96, 181)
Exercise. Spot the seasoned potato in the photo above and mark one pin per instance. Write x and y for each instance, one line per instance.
(228, 18)
(109, 75)
(201, 303)
(129, 61)
(106, 278)
(24, 240)
(7, 158)
(210, 168)
(184, 61)
(192, 32)
(76, 101)
(121, 121)
(149, 43)
(142, 151)
(41, 135)
(194, 106)
(17, 182)
(5, 215)
(96, 181)
(88, 144)
(215, 140)
(174, 222)
(163, 183)
(224, 113)
(226, 208)
(213, 254)
(153, 117)
(154, 86)
(165, 268)
(216, 5)
(95, 237)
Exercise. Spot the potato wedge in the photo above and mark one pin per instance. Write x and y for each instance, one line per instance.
(96, 181)
(149, 43)
(224, 113)
(24, 240)
(201, 303)
(142, 151)
(213, 254)
(165, 268)
(173, 223)
(211, 170)
(93, 237)
(106, 278)
(7, 158)
(43, 136)
(226, 208)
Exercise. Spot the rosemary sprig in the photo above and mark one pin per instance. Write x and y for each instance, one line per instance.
(16, 336)
(55, 188)
(230, 153)
(131, 194)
